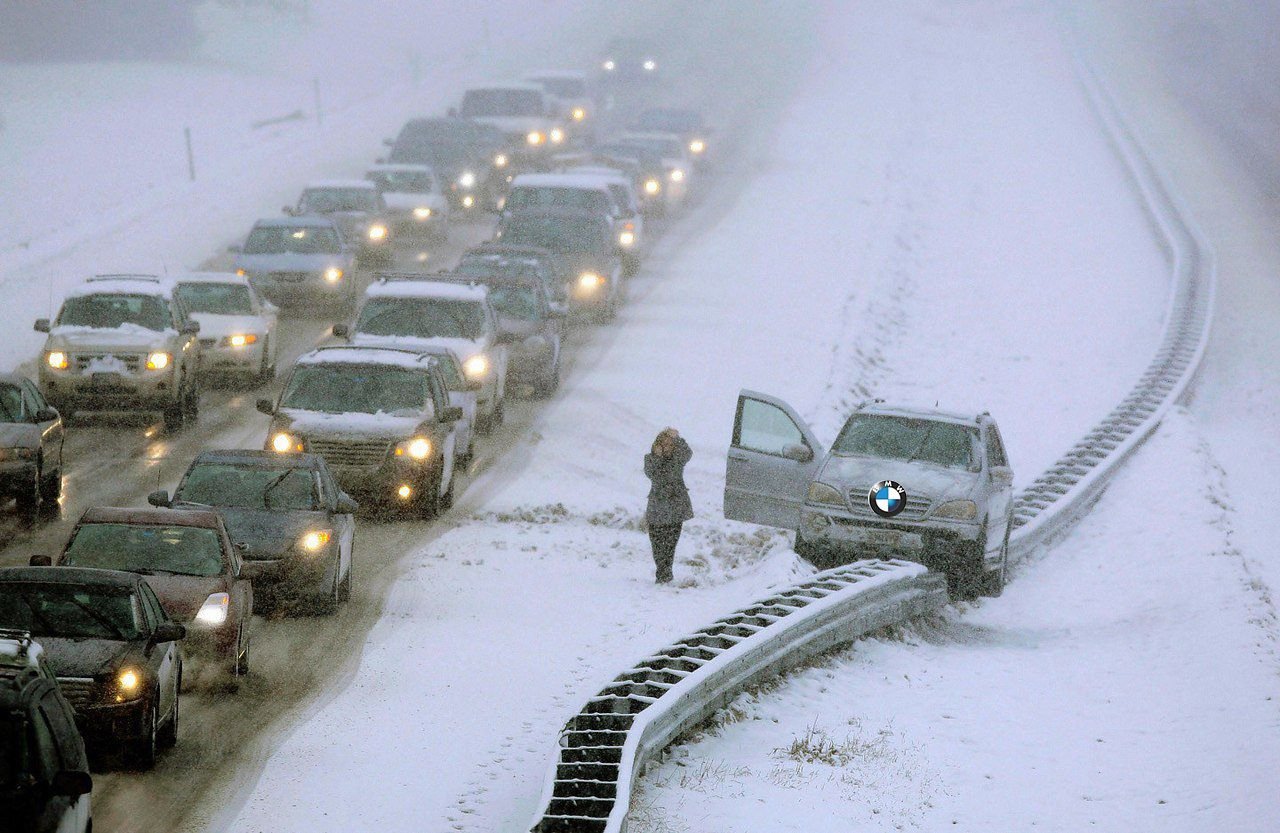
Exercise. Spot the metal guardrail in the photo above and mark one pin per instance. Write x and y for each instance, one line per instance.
(635, 717)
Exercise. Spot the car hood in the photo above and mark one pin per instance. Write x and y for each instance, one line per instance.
(84, 657)
(516, 124)
(315, 425)
(859, 474)
(464, 347)
(183, 595)
(213, 325)
(401, 201)
(289, 262)
(128, 337)
(19, 435)
(269, 533)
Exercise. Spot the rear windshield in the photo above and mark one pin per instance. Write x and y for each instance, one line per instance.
(216, 298)
(70, 611)
(407, 182)
(110, 311)
(356, 389)
(526, 196)
(500, 103)
(944, 444)
(562, 234)
(421, 318)
(328, 200)
(564, 87)
(300, 240)
(138, 548)
(249, 487)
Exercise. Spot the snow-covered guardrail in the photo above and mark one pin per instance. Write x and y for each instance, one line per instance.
(604, 747)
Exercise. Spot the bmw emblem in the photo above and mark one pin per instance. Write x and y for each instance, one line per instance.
(887, 498)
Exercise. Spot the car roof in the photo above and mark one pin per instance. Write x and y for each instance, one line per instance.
(255, 456)
(123, 285)
(211, 277)
(321, 184)
(496, 247)
(70, 575)
(307, 221)
(440, 351)
(646, 135)
(920, 412)
(409, 285)
(149, 516)
(601, 173)
(507, 85)
(391, 356)
(397, 167)
(583, 182)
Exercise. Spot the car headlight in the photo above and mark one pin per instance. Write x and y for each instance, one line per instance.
(556, 135)
(960, 510)
(650, 65)
(422, 213)
(468, 201)
(240, 340)
(677, 175)
(214, 610)
(500, 161)
(579, 114)
(128, 684)
(315, 540)
(377, 231)
(57, 360)
(476, 367)
(284, 442)
(590, 281)
(7, 454)
(467, 180)
(823, 494)
(333, 274)
(418, 448)
(609, 66)
(652, 186)
(697, 146)
(627, 239)
(535, 137)
(157, 361)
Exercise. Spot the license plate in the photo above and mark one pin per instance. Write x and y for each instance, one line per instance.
(892, 539)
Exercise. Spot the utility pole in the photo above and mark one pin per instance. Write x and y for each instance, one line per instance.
(191, 157)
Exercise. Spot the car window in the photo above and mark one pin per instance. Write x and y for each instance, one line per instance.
(995, 447)
(216, 298)
(71, 611)
(146, 548)
(421, 318)
(327, 200)
(249, 487)
(518, 302)
(356, 388)
(765, 428)
(110, 311)
(932, 441)
(301, 240)
(451, 373)
(413, 182)
(34, 392)
(525, 197)
(152, 607)
(10, 403)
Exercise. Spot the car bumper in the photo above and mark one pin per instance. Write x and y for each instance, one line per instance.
(216, 644)
(16, 475)
(936, 544)
(112, 725)
(301, 288)
(291, 575)
(218, 359)
(69, 391)
(383, 482)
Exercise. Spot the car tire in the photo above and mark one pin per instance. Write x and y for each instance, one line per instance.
(191, 402)
(429, 499)
(28, 497)
(175, 416)
(446, 500)
(816, 554)
(327, 603)
(993, 581)
(51, 487)
(966, 577)
(167, 735)
(500, 412)
(267, 371)
(142, 752)
(344, 589)
(546, 387)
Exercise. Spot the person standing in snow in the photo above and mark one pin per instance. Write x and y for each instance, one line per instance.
(669, 505)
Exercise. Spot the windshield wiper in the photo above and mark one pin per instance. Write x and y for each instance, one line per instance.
(927, 434)
(99, 618)
(266, 491)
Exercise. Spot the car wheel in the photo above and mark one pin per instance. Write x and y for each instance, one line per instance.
(965, 578)
(267, 371)
(51, 487)
(327, 603)
(167, 736)
(142, 754)
(429, 498)
(191, 402)
(446, 500)
(344, 589)
(175, 415)
(28, 497)
(994, 581)
(816, 554)
(544, 388)
(500, 412)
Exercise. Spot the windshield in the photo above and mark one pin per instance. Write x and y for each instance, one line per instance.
(519, 302)
(356, 389)
(564, 87)
(421, 318)
(300, 240)
(70, 611)
(110, 311)
(669, 121)
(443, 156)
(327, 200)
(484, 265)
(216, 298)
(139, 548)
(903, 438)
(563, 234)
(10, 403)
(402, 182)
(249, 487)
(500, 103)
(548, 197)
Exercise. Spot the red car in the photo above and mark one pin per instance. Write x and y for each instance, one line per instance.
(190, 563)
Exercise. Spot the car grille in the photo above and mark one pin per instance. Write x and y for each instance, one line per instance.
(917, 506)
(77, 690)
(289, 277)
(351, 452)
(131, 361)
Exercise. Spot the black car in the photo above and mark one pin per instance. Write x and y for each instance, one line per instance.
(113, 648)
(629, 59)
(44, 773)
(684, 122)
(584, 239)
(471, 159)
(294, 527)
(551, 268)
(31, 438)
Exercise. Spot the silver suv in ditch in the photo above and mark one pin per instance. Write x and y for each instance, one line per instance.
(945, 496)
(122, 343)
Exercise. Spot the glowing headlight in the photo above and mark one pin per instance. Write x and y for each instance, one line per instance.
(500, 161)
(283, 443)
(650, 65)
(467, 180)
(214, 610)
(405, 492)
(590, 281)
(824, 494)
(579, 114)
(476, 366)
(315, 541)
(627, 239)
(468, 201)
(535, 138)
(57, 360)
(557, 135)
(333, 274)
(422, 213)
(677, 175)
(697, 146)
(241, 272)
(377, 231)
(128, 682)
(157, 361)
(960, 510)
(239, 340)
(652, 186)
(419, 448)
(609, 66)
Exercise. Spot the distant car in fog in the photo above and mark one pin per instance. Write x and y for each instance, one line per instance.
(298, 261)
(31, 443)
(677, 161)
(292, 524)
(122, 343)
(237, 327)
(686, 123)
(470, 158)
(417, 205)
(643, 166)
(358, 208)
(529, 118)
(189, 561)
(552, 268)
(587, 241)
(957, 511)
(114, 649)
(572, 90)
(627, 59)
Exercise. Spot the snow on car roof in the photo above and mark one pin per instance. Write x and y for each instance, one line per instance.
(307, 221)
(427, 288)
(403, 167)
(646, 135)
(123, 285)
(905, 409)
(211, 277)
(339, 183)
(566, 180)
(600, 174)
(365, 355)
(508, 85)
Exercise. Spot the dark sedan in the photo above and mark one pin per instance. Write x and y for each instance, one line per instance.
(555, 272)
(284, 511)
(584, 239)
(113, 648)
(31, 437)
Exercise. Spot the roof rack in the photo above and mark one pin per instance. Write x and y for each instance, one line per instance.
(127, 276)
(24, 640)
(408, 351)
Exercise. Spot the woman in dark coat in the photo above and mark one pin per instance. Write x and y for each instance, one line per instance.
(669, 505)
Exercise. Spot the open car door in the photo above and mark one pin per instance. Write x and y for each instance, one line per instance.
(772, 459)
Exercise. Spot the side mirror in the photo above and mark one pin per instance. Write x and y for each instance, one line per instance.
(46, 415)
(451, 414)
(168, 632)
(241, 546)
(190, 328)
(799, 452)
(347, 505)
(266, 406)
(71, 783)
(160, 499)
(42, 325)
(40, 561)
(342, 330)
(235, 248)
(1002, 475)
